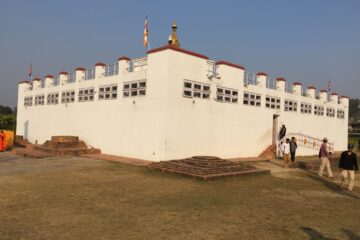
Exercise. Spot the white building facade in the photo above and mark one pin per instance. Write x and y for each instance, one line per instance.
(174, 103)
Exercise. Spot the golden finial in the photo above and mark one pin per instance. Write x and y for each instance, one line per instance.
(173, 39)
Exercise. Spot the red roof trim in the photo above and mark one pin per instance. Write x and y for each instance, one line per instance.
(49, 76)
(345, 97)
(177, 49)
(297, 83)
(63, 73)
(100, 64)
(333, 94)
(25, 81)
(311, 87)
(261, 74)
(80, 69)
(123, 58)
(37, 79)
(322, 90)
(281, 79)
(230, 64)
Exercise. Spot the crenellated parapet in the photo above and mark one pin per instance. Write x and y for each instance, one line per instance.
(48, 81)
(281, 84)
(323, 95)
(36, 82)
(311, 91)
(261, 79)
(334, 97)
(297, 88)
(218, 75)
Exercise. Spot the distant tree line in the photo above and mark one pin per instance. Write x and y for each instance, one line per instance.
(354, 110)
(7, 118)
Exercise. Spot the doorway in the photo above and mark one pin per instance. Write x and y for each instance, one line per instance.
(275, 128)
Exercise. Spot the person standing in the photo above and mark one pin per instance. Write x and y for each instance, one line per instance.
(282, 132)
(285, 149)
(2, 141)
(293, 147)
(348, 165)
(324, 156)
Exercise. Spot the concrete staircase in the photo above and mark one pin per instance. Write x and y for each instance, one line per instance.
(269, 152)
(206, 167)
(19, 141)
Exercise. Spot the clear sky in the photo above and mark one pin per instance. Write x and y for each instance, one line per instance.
(311, 41)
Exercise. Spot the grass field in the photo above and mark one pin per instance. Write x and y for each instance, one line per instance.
(81, 198)
(354, 139)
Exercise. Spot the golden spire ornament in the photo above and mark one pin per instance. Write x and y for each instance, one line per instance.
(173, 38)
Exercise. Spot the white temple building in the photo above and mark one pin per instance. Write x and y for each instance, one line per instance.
(174, 103)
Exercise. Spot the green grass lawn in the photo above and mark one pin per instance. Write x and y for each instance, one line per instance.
(354, 140)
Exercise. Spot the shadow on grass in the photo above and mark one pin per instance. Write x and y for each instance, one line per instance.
(331, 185)
(350, 235)
(314, 234)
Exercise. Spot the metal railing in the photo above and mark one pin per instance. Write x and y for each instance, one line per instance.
(90, 74)
(271, 83)
(137, 64)
(288, 88)
(56, 81)
(249, 79)
(304, 93)
(71, 78)
(112, 69)
(212, 70)
(309, 141)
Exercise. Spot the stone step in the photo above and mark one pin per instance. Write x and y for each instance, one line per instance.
(19, 141)
(30, 153)
(67, 151)
(205, 167)
(202, 171)
(208, 177)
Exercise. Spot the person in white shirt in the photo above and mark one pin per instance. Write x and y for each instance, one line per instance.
(285, 149)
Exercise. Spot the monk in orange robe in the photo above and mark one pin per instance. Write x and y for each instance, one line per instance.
(2, 141)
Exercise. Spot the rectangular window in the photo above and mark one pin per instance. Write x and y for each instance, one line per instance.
(134, 88)
(340, 114)
(40, 100)
(108, 92)
(68, 96)
(290, 106)
(196, 90)
(306, 108)
(86, 94)
(272, 102)
(319, 110)
(252, 99)
(227, 95)
(28, 101)
(330, 112)
(52, 98)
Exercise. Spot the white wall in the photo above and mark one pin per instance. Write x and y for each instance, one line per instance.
(164, 125)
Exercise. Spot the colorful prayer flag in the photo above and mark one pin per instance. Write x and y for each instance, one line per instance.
(146, 30)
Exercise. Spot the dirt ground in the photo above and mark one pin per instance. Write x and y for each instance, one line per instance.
(84, 198)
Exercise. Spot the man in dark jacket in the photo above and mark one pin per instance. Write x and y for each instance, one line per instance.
(348, 165)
